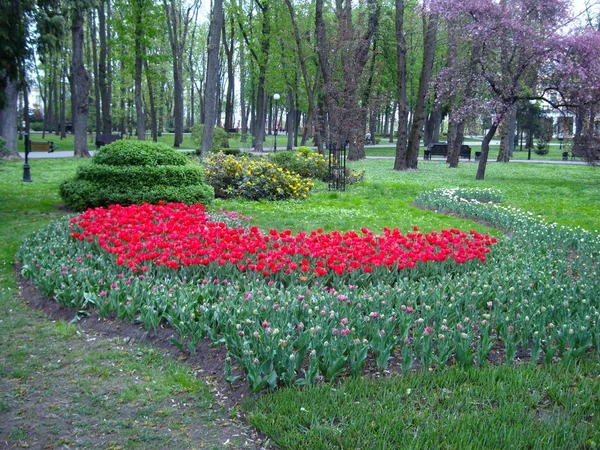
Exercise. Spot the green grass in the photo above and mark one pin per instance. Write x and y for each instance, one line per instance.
(64, 388)
(128, 396)
(489, 408)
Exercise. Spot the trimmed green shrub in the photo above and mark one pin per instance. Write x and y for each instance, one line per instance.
(138, 153)
(133, 172)
(220, 138)
(253, 179)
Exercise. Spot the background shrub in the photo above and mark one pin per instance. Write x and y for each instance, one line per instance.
(3, 149)
(305, 162)
(253, 179)
(220, 138)
(133, 172)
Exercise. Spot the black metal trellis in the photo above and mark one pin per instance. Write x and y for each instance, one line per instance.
(337, 168)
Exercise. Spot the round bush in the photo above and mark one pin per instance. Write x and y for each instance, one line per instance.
(133, 172)
(138, 176)
(138, 153)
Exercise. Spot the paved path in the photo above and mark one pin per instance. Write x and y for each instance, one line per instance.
(69, 154)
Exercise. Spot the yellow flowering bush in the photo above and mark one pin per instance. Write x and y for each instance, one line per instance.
(265, 180)
(254, 179)
(305, 162)
(224, 173)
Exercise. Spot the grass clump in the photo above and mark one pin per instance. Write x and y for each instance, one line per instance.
(132, 172)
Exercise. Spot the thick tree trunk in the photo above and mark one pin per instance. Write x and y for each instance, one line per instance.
(508, 136)
(8, 118)
(80, 87)
(414, 141)
(212, 76)
(400, 160)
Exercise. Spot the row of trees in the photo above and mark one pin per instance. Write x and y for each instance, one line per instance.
(342, 68)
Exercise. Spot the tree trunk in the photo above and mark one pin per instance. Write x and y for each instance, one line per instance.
(508, 136)
(63, 105)
(104, 71)
(153, 118)
(8, 118)
(392, 121)
(80, 87)
(139, 105)
(261, 96)
(400, 160)
(212, 76)
(230, 97)
(290, 121)
(414, 141)
(485, 150)
(244, 118)
(98, 111)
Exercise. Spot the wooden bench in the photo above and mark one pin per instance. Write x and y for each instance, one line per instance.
(106, 139)
(441, 149)
(46, 146)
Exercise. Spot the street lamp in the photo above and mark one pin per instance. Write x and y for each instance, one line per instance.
(26, 167)
(276, 97)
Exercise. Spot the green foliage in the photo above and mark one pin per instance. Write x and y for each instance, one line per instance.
(130, 172)
(541, 148)
(3, 150)
(220, 137)
(83, 194)
(138, 153)
(305, 162)
(253, 179)
(230, 151)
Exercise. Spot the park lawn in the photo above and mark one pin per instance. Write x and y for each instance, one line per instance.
(61, 387)
(493, 407)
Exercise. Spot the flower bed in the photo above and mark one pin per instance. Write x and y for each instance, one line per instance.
(535, 296)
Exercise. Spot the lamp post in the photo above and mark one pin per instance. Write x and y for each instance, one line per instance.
(26, 171)
(276, 97)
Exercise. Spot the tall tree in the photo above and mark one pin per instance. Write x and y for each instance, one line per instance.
(80, 82)
(14, 22)
(401, 159)
(430, 25)
(349, 50)
(178, 23)
(212, 75)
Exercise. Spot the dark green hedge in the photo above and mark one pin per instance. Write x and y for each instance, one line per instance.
(138, 153)
(82, 194)
(137, 176)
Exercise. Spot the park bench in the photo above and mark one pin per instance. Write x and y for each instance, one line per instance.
(441, 149)
(588, 154)
(45, 146)
(105, 139)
